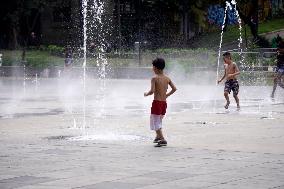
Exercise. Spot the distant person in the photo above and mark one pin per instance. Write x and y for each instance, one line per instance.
(33, 40)
(159, 86)
(68, 58)
(276, 40)
(92, 49)
(231, 84)
(279, 68)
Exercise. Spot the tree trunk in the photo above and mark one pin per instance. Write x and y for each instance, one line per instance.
(251, 19)
(13, 44)
(119, 27)
(184, 21)
(185, 26)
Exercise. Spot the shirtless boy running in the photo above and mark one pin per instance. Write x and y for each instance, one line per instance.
(231, 71)
(159, 86)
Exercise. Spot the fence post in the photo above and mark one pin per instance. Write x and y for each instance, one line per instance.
(138, 50)
(0, 60)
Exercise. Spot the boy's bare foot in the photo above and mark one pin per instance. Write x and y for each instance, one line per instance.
(227, 105)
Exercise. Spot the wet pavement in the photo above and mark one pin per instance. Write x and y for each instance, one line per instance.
(44, 143)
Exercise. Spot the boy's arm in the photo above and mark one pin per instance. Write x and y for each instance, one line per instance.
(237, 71)
(152, 90)
(174, 89)
(222, 77)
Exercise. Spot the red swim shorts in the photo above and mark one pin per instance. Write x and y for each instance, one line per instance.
(158, 107)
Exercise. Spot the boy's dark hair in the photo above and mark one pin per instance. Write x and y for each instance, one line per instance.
(227, 54)
(159, 63)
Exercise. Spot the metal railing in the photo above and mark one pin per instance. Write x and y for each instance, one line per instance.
(263, 59)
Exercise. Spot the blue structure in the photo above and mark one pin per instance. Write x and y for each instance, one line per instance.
(215, 15)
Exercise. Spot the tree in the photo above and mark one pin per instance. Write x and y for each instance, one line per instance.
(22, 17)
(10, 22)
(195, 12)
(248, 11)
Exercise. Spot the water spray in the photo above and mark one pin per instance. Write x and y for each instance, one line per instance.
(84, 9)
(230, 5)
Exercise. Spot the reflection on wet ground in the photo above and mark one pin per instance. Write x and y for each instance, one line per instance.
(30, 107)
(204, 123)
(60, 137)
(108, 137)
(54, 97)
(34, 114)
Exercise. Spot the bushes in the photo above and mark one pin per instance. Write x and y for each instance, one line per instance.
(11, 58)
(55, 50)
(187, 59)
(42, 59)
(34, 58)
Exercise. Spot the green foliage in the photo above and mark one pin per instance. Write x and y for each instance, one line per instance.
(269, 61)
(34, 58)
(55, 50)
(271, 25)
(11, 58)
(41, 60)
(187, 59)
(212, 39)
(253, 59)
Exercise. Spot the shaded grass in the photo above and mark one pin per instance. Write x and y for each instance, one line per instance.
(43, 59)
(212, 39)
(271, 25)
(34, 58)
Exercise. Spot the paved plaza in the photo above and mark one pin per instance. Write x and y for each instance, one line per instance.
(44, 143)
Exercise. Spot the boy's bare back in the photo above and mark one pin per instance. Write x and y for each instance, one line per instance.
(161, 83)
(159, 87)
